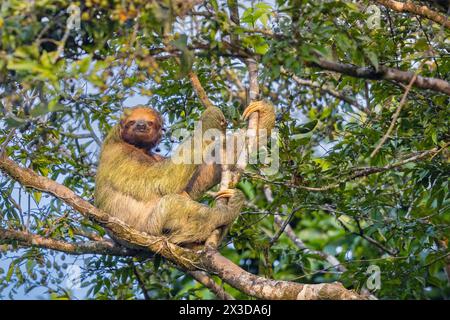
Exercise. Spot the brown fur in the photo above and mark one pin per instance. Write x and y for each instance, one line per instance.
(151, 123)
(149, 193)
(152, 193)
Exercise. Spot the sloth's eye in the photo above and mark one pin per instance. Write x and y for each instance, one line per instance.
(150, 123)
(130, 123)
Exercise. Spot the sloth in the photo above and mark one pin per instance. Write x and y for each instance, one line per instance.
(157, 195)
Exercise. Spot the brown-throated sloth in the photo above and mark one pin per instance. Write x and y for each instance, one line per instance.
(156, 195)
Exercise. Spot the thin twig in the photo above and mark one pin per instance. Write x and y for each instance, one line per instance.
(297, 241)
(283, 226)
(5, 143)
(358, 172)
(396, 115)
(327, 90)
(208, 282)
(373, 241)
(140, 281)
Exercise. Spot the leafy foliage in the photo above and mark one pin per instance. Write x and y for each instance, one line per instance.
(62, 88)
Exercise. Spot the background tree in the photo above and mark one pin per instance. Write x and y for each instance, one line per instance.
(362, 96)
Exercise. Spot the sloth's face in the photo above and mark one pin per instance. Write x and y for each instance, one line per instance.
(141, 127)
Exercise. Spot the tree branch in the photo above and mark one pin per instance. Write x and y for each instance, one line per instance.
(209, 283)
(214, 239)
(385, 73)
(391, 252)
(360, 172)
(410, 7)
(394, 116)
(283, 225)
(141, 282)
(209, 259)
(77, 248)
(181, 256)
(262, 288)
(287, 229)
(301, 245)
(198, 88)
(327, 90)
(230, 178)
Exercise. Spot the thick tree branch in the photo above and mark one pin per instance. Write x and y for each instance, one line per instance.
(77, 248)
(214, 239)
(262, 288)
(209, 259)
(382, 73)
(183, 257)
(230, 178)
(410, 7)
(385, 73)
(253, 86)
(99, 247)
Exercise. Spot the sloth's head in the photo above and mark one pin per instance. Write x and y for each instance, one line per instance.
(141, 126)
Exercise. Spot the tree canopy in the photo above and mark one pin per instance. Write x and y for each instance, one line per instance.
(361, 90)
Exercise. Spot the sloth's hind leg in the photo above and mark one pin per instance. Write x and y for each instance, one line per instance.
(184, 220)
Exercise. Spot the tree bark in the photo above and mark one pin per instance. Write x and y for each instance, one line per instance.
(410, 7)
(385, 73)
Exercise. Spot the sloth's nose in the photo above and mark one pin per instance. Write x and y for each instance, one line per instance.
(141, 125)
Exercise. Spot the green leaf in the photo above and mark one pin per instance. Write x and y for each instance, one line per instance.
(84, 64)
(261, 48)
(247, 187)
(373, 58)
(187, 60)
(10, 271)
(14, 122)
(157, 262)
(187, 57)
(37, 196)
(307, 127)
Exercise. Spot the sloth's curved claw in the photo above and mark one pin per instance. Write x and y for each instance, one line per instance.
(226, 193)
(264, 108)
(252, 107)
